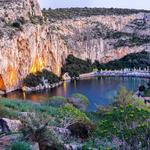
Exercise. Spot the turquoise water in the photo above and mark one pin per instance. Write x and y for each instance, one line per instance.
(99, 90)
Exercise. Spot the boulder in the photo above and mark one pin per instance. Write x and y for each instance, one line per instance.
(73, 146)
(8, 125)
(61, 131)
(34, 146)
(66, 76)
(7, 140)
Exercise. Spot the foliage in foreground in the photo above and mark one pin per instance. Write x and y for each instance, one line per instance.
(122, 125)
(20, 146)
(126, 123)
(57, 101)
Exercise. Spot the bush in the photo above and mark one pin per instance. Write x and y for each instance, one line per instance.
(36, 20)
(80, 130)
(123, 97)
(2, 111)
(20, 146)
(147, 93)
(33, 80)
(83, 98)
(16, 24)
(79, 101)
(148, 84)
(142, 88)
(128, 124)
(57, 101)
(131, 61)
(36, 129)
(75, 66)
(48, 75)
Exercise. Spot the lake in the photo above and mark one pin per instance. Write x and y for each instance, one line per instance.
(99, 90)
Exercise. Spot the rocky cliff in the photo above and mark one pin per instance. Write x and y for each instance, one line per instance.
(29, 42)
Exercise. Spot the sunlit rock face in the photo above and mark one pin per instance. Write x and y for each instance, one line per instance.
(28, 51)
(35, 46)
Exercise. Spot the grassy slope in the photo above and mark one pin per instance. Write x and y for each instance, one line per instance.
(109, 123)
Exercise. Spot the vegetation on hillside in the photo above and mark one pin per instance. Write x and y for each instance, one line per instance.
(131, 61)
(75, 66)
(121, 125)
(122, 38)
(132, 40)
(69, 13)
(33, 80)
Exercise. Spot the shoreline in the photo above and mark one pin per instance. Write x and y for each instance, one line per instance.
(116, 73)
(140, 74)
(40, 87)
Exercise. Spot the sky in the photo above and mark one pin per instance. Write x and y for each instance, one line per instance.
(137, 4)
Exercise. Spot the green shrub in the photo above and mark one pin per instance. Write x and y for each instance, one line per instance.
(36, 129)
(71, 115)
(20, 146)
(50, 76)
(147, 93)
(104, 144)
(57, 101)
(83, 98)
(33, 80)
(16, 24)
(131, 61)
(123, 97)
(79, 101)
(148, 84)
(36, 20)
(142, 88)
(75, 66)
(2, 111)
(76, 121)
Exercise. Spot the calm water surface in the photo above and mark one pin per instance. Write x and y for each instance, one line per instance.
(99, 90)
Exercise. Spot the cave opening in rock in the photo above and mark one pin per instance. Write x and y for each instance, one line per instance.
(2, 84)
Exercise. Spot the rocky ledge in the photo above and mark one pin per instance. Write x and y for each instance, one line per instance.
(41, 87)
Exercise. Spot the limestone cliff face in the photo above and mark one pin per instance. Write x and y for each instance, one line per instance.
(28, 50)
(33, 46)
(14, 9)
(87, 37)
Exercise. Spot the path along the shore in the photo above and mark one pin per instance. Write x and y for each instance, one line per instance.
(121, 73)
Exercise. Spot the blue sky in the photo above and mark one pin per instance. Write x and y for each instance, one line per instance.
(137, 4)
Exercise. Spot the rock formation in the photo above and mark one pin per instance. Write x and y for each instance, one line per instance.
(28, 43)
